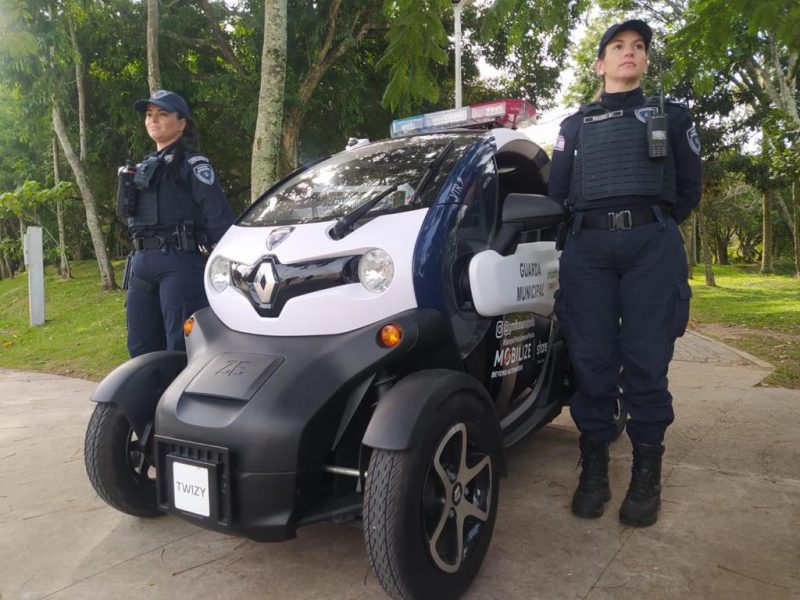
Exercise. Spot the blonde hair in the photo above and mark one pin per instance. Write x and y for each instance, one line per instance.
(601, 87)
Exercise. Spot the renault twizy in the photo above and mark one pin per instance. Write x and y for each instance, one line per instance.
(380, 328)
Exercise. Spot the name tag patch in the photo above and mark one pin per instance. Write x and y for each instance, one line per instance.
(609, 115)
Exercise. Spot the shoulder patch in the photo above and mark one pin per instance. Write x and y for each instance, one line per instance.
(642, 114)
(560, 143)
(694, 140)
(196, 159)
(205, 173)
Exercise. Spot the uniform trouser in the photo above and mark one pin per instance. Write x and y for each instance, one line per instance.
(166, 287)
(623, 299)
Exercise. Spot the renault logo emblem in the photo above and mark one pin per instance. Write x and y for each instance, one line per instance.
(265, 282)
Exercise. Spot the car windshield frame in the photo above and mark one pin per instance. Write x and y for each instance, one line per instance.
(336, 186)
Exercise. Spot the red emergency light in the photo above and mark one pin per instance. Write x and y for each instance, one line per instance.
(498, 113)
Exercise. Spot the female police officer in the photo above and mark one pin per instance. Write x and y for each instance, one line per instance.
(175, 213)
(629, 170)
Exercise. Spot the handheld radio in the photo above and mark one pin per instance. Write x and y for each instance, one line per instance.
(658, 127)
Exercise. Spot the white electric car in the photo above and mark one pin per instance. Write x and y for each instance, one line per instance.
(380, 328)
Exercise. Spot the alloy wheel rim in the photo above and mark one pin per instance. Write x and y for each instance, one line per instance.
(457, 498)
(141, 469)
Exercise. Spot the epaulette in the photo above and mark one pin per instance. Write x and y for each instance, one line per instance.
(195, 157)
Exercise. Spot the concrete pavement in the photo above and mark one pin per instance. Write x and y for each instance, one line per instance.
(729, 526)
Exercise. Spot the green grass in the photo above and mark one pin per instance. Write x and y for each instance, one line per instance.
(744, 297)
(84, 333)
(761, 314)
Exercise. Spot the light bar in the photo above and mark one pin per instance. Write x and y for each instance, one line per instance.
(499, 113)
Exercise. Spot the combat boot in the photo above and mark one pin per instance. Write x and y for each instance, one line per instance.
(593, 491)
(643, 500)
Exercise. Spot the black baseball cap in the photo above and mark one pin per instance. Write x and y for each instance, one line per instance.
(169, 101)
(636, 25)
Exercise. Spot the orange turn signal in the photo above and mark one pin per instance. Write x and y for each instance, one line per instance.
(188, 325)
(390, 335)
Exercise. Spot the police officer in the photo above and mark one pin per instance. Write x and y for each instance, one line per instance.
(175, 212)
(628, 167)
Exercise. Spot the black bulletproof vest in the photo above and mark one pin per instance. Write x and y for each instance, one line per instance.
(612, 162)
(163, 202)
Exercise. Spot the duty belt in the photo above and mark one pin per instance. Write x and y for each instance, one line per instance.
(621, 220)
(155, 242)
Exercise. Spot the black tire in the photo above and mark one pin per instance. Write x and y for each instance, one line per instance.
(620, 415)
(119, 470)
(416, 503)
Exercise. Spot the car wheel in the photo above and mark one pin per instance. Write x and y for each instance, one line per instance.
(429, 511)
(119, 469)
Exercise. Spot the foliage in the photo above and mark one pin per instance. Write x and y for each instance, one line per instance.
(84, 331)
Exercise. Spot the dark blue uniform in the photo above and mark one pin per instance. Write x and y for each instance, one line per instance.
(624, 296)
(179, 210)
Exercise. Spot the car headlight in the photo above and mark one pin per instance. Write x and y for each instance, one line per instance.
(219, 273)
(375, 270)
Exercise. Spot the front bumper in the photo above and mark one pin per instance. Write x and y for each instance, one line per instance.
(257, 417)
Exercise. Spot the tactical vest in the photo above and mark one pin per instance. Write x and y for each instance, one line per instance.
(612, 161)
(163, 202)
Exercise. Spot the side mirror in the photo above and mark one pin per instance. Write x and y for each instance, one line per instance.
(533, 211)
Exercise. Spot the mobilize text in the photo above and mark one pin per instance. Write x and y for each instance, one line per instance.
(513, 355)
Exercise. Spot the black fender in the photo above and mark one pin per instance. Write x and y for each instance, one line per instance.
(402, 414)
(136, 386)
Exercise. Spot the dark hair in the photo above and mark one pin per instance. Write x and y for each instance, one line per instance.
(189, 140)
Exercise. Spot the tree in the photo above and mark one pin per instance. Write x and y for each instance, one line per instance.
(153, 66)
(53, 52)
(269, 123)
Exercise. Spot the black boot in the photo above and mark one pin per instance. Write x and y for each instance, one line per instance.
(593, 491)
(643, 500)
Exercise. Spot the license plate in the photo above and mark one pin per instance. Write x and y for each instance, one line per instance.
(191, 489)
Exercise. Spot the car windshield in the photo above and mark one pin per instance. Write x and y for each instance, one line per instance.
(339, 184)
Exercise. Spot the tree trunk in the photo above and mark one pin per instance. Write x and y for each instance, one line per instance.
(791, 213)
(92, 220)
(269, 122)
(62, 238)
(796, 228)
(21, 267)
(705, 241)
(5, 263)
(327, 56)
(767, 240)
(722, 250)
(153, 70)
(81, 92)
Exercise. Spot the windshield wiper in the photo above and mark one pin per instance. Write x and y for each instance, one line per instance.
(345, 224)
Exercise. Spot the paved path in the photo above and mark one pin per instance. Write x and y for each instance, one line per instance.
(729, 529)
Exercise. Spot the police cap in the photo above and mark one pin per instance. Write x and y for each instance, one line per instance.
(169, 101)
(636, 25)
